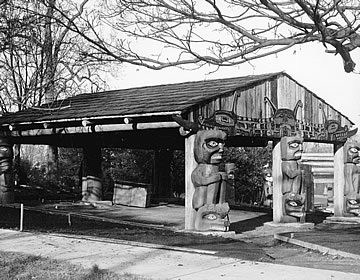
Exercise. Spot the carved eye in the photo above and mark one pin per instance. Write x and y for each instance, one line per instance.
(224, 119)
(212, 144)
(294, 145)
(211, 217)
(3, 149)
(354, 150)
(332, 127)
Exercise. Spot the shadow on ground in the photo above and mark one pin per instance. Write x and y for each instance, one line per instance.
(36, 221)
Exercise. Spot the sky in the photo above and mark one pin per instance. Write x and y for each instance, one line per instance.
(320, 72)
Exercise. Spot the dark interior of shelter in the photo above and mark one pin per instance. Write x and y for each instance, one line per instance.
(37, 182)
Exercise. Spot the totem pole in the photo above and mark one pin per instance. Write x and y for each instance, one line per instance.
(352, 176)
(210, 184)
(293, 196)
(6, 173)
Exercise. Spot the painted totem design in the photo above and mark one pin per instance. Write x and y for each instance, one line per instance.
(210, 184)
(293, 196)
(6, 174)
(352, 176)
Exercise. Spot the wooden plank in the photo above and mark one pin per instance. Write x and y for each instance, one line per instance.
(291, 93)
(252, 102)
(259, 100)
(269, 94)
(274, 93)
(241, 104)
(283, 98)
(307, 107)
(218, 103)
(228, 102)
(301, 96)
(316, 111)
(246, 102)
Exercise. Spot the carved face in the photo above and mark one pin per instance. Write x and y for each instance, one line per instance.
(284, 116)
(352, 152)
(291, 148)
(294, 207)
(209, 146)
(212, 217)
(6, 155)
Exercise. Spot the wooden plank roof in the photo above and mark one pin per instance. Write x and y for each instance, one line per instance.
(165, 99)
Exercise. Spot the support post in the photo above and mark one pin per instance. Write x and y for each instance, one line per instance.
(339, 180)
(92, 173)
(277, 183)
(52, 161)
(190, 165)
(162, 180)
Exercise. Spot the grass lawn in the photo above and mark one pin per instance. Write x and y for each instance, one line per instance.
(21, 267)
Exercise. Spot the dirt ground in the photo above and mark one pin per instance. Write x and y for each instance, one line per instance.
(264, 248)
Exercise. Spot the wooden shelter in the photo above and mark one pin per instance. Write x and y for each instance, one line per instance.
(252, 110)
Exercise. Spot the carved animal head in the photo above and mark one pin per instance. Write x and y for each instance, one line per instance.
(284, 116)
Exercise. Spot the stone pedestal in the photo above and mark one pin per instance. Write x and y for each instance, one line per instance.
(343, 220)
(291, 226)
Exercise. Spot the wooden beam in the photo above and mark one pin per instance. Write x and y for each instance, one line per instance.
(339, 180)
(190, 165)
(92, 129)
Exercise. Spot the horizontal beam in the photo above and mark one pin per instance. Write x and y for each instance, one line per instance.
(92, 129)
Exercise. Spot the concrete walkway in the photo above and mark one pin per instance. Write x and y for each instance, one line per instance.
(151, 261)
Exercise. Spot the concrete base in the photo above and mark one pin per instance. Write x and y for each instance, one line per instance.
(225, 234)
(343, 220)
(291, 226)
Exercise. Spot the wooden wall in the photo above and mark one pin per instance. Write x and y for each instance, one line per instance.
(248, 106)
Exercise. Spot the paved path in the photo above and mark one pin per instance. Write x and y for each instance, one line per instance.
(152, 261)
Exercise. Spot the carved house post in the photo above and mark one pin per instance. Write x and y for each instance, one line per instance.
(288, 192)
(6, 172)
(277, 183)
(346, 179)
(339, 180)
(190, 165)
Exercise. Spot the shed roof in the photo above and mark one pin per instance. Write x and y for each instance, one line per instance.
(165, 99)
(149, 100)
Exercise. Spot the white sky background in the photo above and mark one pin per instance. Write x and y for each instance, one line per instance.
(320, 72)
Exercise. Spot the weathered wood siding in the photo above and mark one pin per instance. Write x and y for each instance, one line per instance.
(283, 92)
(248, 106)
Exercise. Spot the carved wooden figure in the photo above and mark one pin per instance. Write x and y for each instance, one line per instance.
(293, 195)
(6, 173)
(209, 182)
(352, 175)
(268, 187)
(230, 186)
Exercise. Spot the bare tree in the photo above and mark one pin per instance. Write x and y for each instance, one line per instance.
(40, 59)
(219, 32)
